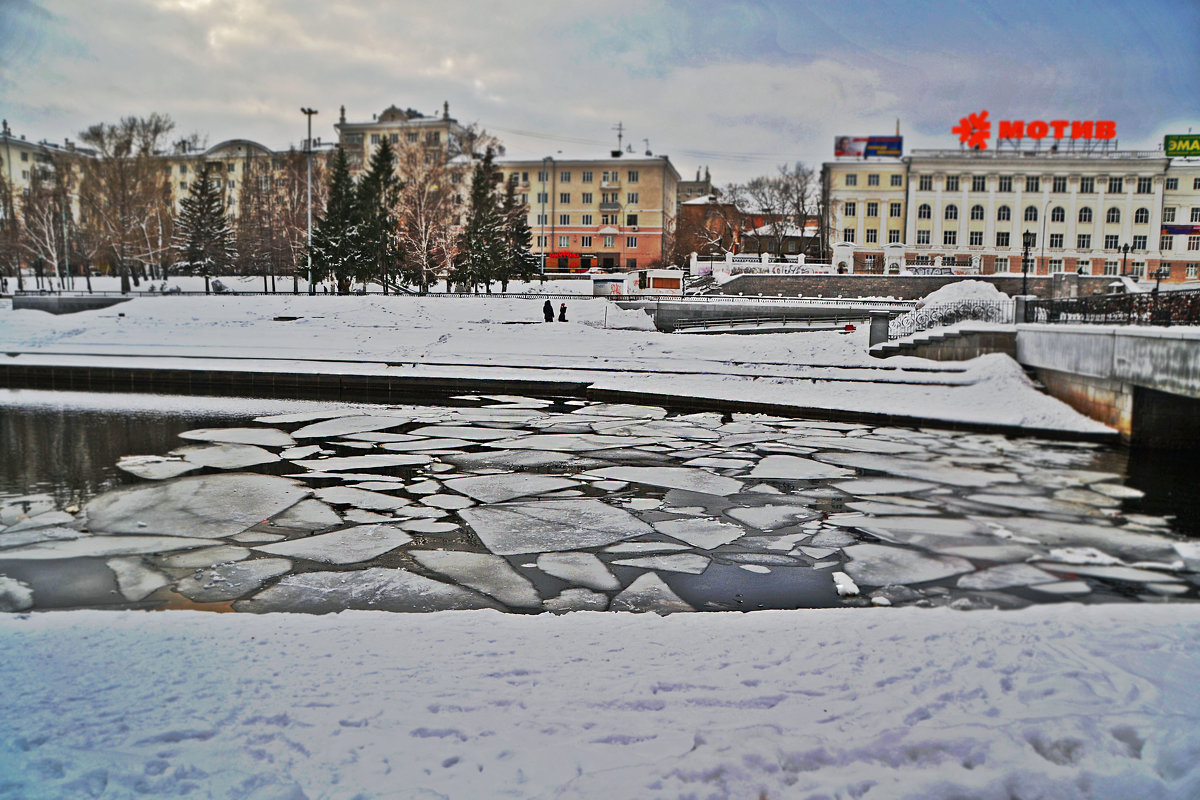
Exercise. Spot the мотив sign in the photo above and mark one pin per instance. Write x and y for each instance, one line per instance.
(975, 129)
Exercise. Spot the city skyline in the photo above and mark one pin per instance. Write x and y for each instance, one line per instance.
(737, 88)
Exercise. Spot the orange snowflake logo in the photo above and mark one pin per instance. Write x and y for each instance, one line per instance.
(974, 129)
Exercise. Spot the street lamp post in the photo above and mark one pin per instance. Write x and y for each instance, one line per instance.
(308, 112)
(543, 195)
(1124, 257)
(1027, 241)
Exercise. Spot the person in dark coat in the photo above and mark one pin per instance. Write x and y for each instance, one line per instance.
(548, 312)
(562, 313)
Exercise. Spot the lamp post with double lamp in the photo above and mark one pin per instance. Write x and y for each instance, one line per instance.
(1027, 240)
(308, 112)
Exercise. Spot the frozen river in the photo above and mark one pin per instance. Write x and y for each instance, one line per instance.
(527, 505)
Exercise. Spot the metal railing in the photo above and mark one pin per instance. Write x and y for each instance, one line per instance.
(1144, 308)
(750, 324)
(942, 314)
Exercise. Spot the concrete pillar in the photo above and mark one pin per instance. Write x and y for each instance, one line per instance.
(1019, 308)
(879, 327)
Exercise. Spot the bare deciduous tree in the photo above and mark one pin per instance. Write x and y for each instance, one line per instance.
(783, 205)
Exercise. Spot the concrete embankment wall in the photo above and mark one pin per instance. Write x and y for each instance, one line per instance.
(64, 304)
(908, 287)
(668, 315)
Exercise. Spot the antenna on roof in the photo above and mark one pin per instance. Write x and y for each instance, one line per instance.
(620, 129)
(647, 143)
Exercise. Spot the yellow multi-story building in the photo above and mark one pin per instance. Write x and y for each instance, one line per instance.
(404, 129)
(613, 213)
(866, 202)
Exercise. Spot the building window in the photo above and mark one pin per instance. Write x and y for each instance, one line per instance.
(925, 183)
(924, 211)
(586, 177)
(1056, 265)
(1195, 213)
(543, 176)
(1001, 264)
(564, 241)
(1032, 183)
(585, 241)
(1031, 213)
(872, 209)
(1144, 186)
(411, 137)
(543, 197)
(1111, 242)
(1087, 185)
(564, 198)
(852, 180)
(586, 220)
(893, 236)
(978, 183)
(541, 241)
(630, 242)
(605, 219)
(1058, 214)
(894, 210)
(1141, 216)
(1085, 214)
(1165, 242)
(1194, 243)
(1116, 185)
(872, 236)
(374, 138)
(1193, 270)
(1059, 185)
(848, 235)
(1113, 215)
(631, 219)
(541, 219)
(183, 169)
(631, 198)
(564, 219)
(976, 212)
(1168, 215)
(609, 241)
(394, 138)
(564, 176)
(1138, 268)
(183, 186)
(872, 180)
(1172, 184)
(1005, 183)
(1004, 213)
(1083, 241)
(870, 260)
(1196, 184)
(922, 237)
(1056, 241)
(633, 176)
(586, 199)
(1111, 267)
(24, 156)
(1032, 238)
(897, 180)
(976, 239)
(951, 183)
(949, 237)
(850, 209)
(951, 211)
(1002, 239)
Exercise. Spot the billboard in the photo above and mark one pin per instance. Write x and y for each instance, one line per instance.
(869, 146)
(1179, 144)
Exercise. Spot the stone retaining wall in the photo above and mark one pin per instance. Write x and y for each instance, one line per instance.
(909, 287)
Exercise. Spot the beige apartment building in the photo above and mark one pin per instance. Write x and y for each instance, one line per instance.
(403, 128)
(614, 213)
(1098, 213)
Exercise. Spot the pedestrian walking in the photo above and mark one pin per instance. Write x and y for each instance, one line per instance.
(562, 313)
(548, 311)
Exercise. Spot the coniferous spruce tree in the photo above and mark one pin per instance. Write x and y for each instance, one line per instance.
(378, 197)
(519, 264)
(481, 248)
(337, 252)
(203, 238)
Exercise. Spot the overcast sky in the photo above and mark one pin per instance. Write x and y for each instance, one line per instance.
(739, 87)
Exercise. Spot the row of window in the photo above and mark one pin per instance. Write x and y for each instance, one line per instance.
(1057, 214)
(412, 137)
(586, 176)
(1033, 183)
(1083, 241)
(587, 198)
(850, 209)
(873, 180)
(586, 220)
(586, 241)
(1112, 267)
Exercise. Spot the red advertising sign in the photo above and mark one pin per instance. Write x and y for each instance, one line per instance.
(975, 129)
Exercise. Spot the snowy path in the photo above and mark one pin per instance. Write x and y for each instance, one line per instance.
(1058, 701)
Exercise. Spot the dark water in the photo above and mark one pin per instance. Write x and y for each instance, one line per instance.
(67, 445)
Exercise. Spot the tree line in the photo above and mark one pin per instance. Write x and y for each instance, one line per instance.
(403, 223)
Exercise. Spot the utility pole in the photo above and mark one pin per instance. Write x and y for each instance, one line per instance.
(308, 112)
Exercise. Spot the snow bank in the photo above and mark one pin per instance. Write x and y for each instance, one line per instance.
(632, 319)
(964, 290)
(1063, 701)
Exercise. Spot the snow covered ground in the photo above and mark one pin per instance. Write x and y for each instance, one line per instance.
(504, 337)
(1055, 702)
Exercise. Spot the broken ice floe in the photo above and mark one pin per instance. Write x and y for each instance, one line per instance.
(225, 456)
(230, 581)
(340, 426)
(368, 462)
(347, 546)
(796, 468)
(703, 533)
(101, 546)
(376, 588)
(879, 565)
(507, 486)
(361, 498)
(135, 580)
(919, 470)
(204, 557)
(771, 515)
(551, 525)
(14, 595)
(649, 594)
(583, 569)
(156, 468)
(576, 600)
(484, 573)
(1005, 576)
(690, 563)
(691, 480)
(264, 437)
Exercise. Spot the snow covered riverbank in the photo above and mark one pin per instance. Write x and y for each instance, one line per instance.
(1057, 702)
